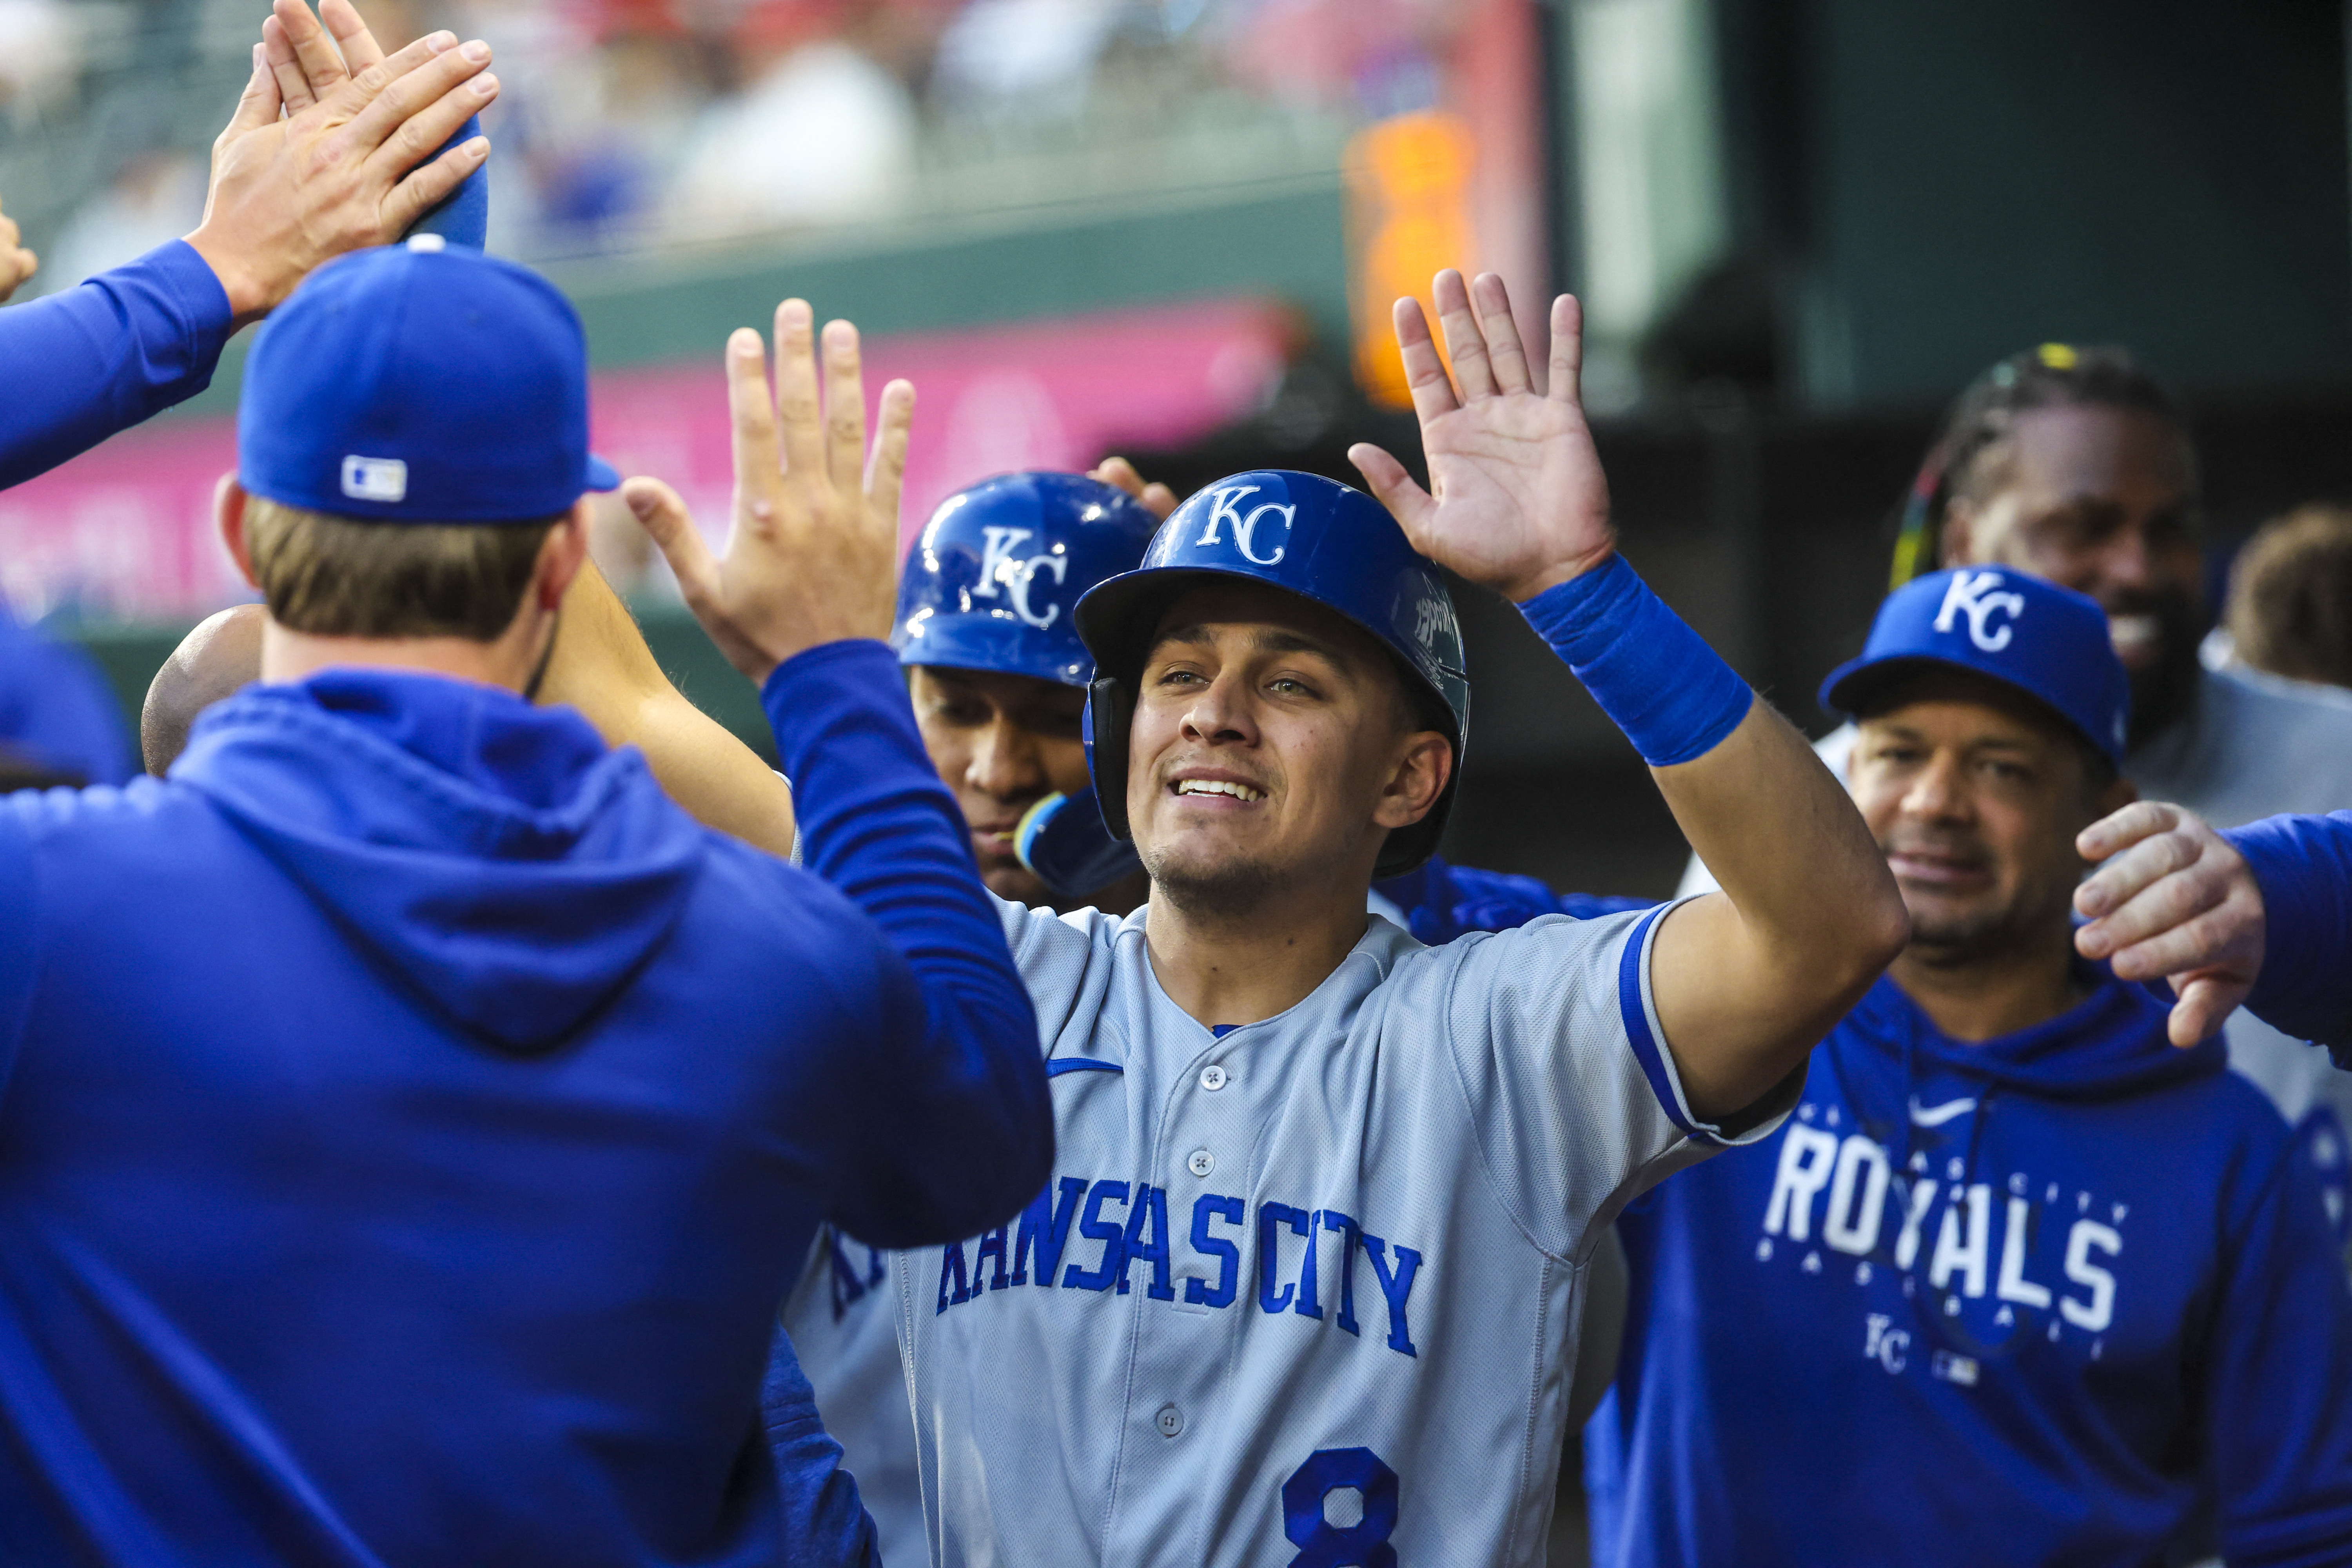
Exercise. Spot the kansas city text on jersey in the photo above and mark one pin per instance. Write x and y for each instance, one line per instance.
(1096, 1231)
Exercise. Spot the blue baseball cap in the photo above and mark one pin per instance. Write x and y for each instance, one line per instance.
(421, 383)
(2049, 642)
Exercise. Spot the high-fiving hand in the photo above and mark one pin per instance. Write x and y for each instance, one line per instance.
(2173, 902)
(318, 160)
(1520, 503)
(812, 554)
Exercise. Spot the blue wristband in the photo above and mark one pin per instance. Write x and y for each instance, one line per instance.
(1672, 694)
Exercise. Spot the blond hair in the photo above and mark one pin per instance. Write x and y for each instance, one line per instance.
(342, 576)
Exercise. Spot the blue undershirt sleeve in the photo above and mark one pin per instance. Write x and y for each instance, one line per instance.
(87, 361)
(2304, 866)
(972, 1123)
(2277, 1359)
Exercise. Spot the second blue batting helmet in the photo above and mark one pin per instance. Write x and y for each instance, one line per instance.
(993, 578)
(1307, 535)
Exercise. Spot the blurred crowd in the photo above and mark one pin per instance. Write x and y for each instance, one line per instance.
(633, 123)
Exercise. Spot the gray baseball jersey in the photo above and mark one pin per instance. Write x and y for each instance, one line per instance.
(1304, 1291)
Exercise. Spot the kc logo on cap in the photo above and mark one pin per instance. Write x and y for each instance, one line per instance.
(1972, 617)
(1972, 594)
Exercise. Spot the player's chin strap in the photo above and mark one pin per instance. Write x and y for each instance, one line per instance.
(1064, 843)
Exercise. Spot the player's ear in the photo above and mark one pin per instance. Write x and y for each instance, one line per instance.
(229, 516)
(561, 557)
(1418, 780)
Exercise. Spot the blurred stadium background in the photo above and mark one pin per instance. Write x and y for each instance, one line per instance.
(1170, 227)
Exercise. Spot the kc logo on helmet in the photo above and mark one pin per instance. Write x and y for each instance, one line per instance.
(1970, 593)
(1223, 510)
(999, 565)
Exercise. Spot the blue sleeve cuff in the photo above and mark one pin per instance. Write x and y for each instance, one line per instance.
(1672, 694)
(2304, 866)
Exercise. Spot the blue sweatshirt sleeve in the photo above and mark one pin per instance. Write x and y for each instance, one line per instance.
(2304, 866)
(85, 362)
(973, 1126)
(825, 1524)
(2277, 1362)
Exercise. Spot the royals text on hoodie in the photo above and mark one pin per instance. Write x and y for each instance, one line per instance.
(2002, 1302)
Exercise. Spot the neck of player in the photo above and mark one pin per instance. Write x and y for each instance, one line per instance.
(1976, 991)
(1244, 967)
(513, 660)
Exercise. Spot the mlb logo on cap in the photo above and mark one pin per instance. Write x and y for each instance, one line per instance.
(2049, 642)
(421, 383)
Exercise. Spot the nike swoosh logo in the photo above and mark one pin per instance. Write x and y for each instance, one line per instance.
(1936, 1115)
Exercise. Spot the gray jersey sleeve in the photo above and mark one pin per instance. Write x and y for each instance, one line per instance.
(1572, 1091)
(1065, 962)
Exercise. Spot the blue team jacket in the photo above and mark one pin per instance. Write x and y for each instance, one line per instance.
(2303, 865)
(2003, 1302)
(410, 1122)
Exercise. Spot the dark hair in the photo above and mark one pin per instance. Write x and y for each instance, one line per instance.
(2054, 375)
(2290, 608)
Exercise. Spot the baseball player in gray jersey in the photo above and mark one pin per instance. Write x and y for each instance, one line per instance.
(1305, 1286)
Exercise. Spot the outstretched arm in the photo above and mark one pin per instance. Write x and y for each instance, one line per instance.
(600, 665)
(287, 193)
(2260, 915)
(1745, 982)
(798, 600)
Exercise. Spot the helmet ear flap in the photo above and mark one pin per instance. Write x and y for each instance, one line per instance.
(1109, 710)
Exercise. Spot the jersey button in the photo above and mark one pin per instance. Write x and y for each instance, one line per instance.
(1212, 1077)
(1170, 1421)
(1201, 1163)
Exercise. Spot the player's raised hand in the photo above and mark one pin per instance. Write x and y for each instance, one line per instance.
(16, 263)
(2176, 902)
(812, 554)
(1517, 499)
(306, 66)
(299, 176)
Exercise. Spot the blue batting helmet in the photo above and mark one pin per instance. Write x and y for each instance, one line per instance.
(1307, 535)
(993, 578)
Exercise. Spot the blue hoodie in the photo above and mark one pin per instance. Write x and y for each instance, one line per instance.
(2005, 1302)
(2304, 866)
(410, 1122)
(56, 714)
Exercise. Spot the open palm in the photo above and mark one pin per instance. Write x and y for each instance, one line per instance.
(1517, 498)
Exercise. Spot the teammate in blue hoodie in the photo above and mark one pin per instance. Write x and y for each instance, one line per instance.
(430, 1197)
(2019, 1281)
(325, 153)
(2260, 915)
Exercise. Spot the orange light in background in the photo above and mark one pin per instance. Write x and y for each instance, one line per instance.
(1408, 184)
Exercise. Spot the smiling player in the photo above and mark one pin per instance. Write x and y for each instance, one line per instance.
(2019, 1281)
(1306, 1281)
